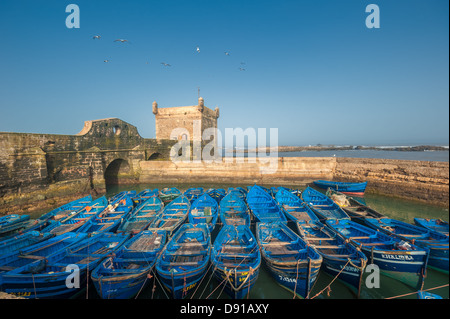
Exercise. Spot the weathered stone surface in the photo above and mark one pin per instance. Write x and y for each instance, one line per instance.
(421, 180)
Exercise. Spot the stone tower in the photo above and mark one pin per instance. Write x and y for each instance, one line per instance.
(184, 122)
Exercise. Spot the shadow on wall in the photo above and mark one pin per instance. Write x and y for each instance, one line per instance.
(114, 170)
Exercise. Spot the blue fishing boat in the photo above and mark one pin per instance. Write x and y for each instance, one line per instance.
(126, 273)
(290, 260)
(40, 251)
(144, 195)
(141, 217)
(184, 260)
(12, 222)
(241, 192)
(216, 193)
(236, 259)
(340, 258)
(293, 207)
(233, 210)
(406, 263)
(74, 221)
(356, 189)
(322, 205)
(168, 194)
(438, 224)
(263, 206)
(427, 295)
(173, 216)
(122, 195)
(204, 210)
(67, 209)
(354, 208)
(57, 214)
(110, 218)
(22, 240)
(48, 277)
(436, 242)
(193, 193)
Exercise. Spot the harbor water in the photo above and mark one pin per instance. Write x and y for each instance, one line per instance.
(267, 288)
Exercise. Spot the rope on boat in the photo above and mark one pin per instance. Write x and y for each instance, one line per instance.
(329, 285)
(413, 293)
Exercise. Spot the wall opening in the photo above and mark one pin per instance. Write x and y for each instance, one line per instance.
(114, 171)
(154, 156)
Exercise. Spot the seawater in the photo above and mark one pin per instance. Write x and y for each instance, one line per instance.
(435, 156)
(267, 288)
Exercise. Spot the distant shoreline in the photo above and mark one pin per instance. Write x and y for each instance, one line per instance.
(420, 148)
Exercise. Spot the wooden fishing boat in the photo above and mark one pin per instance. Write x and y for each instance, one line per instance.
(273, 190)
(193, 193)
(436, 242)
(394, 259)
(357, 189)
(204, 210)
(322, 205)
(110, 218)
(48, 277)
(12, 222)
(184, 260)
(263, 206)
(236, 259)
(168, 194)
(144, 195)
(74, 221)
(355, 209)
(216, 193)
(127, 272)
(438, 225)
(122, 195)
(22, 240)
(290, 261)
(141, 217)
(57, 214)
(293, 207)
(233, 210)
(241, 192)
(427, 295)
(173, 215)
(340, 258)
(67, 209)
(24, 256)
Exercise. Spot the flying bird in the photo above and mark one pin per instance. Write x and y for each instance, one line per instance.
(197, 49)
(106, 61)
(96, 37)
(241, 69)
(227, 53)
(121, 40)
(165, 64)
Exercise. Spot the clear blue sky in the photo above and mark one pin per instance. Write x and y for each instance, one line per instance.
(312, 68)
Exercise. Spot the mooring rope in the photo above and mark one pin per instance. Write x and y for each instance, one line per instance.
(329, 285)
(413, 293)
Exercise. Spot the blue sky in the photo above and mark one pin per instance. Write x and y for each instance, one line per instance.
(312, 68)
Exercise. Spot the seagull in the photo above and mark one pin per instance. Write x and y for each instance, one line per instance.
(241, 69)
(165, 64)
(96, 37)
(121, 40)
(106, 61)
(227, 53)
(197, 49)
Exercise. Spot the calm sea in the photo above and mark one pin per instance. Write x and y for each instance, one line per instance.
(267, 288)
(438, 156)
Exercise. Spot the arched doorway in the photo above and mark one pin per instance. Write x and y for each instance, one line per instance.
(155, 156)
(114, 171)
